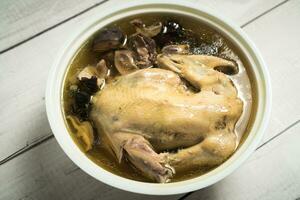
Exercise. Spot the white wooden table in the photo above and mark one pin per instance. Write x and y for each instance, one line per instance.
(33, 166)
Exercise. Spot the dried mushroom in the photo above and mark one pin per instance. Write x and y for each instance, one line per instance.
(88, 86)
(124, 61)
(109, 58)
(81, 106)
(99, 72)
(148, 31)
(171, 33)
(145, 50)
(108, 39)
(91, 79)
(102, 69)
(83, 130)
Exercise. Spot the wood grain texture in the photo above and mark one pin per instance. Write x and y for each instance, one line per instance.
(23, 78)
(46, 173)
(272, 173)
(277, 37)
(240, 11)
(21, 19)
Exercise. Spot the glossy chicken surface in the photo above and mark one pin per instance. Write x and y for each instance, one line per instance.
(176, 117)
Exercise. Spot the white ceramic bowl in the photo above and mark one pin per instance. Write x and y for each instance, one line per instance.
(110, 14)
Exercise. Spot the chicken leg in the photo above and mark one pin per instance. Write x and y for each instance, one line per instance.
(199, 71)
(212, 151)
(141, 154)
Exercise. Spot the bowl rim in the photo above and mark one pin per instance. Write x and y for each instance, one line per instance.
(64, 56)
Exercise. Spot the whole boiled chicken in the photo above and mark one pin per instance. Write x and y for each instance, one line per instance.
(176, 117)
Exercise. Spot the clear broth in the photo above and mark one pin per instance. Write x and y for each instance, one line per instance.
(244, 82)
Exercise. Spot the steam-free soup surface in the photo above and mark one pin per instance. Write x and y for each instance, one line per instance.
(123, 87)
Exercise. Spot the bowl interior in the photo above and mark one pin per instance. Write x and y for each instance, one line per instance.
(227, 29)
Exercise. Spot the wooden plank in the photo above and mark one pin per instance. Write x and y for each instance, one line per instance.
(23, 19)
(271, 173)
(240, 11)
(23, 77)
(46, 173)
(277, 37)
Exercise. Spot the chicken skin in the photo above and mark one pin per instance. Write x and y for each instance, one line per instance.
(176, 117)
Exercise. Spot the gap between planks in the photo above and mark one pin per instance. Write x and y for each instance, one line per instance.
(52, 27)
(51, 136)
(187, 195)
(260, 146)
(264, 13)
(27, 148)
(102, 2)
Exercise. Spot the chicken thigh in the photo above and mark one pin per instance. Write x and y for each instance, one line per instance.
(154, 118)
